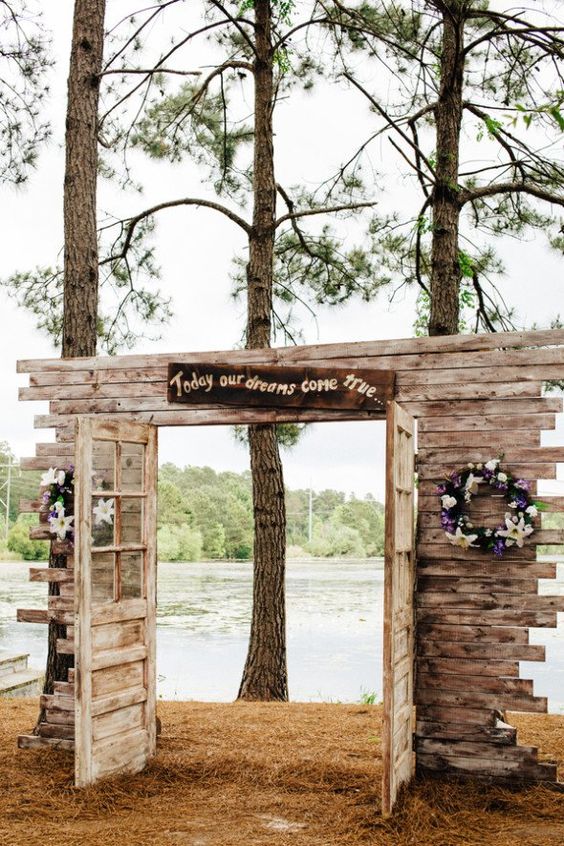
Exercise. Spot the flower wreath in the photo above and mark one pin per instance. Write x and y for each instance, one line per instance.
(462, 485)
(58, 501)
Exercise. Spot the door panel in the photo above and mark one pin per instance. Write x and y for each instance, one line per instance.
(115, 597)
(399, 581)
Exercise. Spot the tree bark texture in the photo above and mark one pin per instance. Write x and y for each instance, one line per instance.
(265, 673)
(81, 167)
(445, 272)
(80, 300)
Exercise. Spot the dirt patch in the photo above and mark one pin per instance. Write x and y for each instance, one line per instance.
(251, 774)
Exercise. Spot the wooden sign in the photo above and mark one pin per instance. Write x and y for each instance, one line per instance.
(280, 387)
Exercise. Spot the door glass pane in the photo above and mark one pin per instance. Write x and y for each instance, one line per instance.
(131, 520)
(132, 466)
(132, 575)
(103, 466)
(102, 578)
(103, 521)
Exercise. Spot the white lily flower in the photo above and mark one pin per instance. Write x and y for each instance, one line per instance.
(532, 510)
(60, 478)
(460, 539)
(448, 501)
(60, 525)
(492, 464)
(59, 507)
(472, 484)
(49, 478)
(104, 512)
(515, 532)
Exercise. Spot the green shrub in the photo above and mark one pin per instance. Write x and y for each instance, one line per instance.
(20, 544)
(179, 543)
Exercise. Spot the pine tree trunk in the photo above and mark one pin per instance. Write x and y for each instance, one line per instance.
(265, 673)
(80, 309)
(81, 169)
(445, 268)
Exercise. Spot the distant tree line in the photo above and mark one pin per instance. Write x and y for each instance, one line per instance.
(208, 515)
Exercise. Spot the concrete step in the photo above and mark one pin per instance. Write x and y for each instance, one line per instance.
(12, 663)
(21, 683)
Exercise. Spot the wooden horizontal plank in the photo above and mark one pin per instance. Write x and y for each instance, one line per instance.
(50, 574)
(491, 568)
(476, 616)
(484, 633)
(501, 733)
(110, 680)
(97, 398)
(115, 722)
(461, 651)
(485, 444)
(223, 416)
(514, 772)
(364, 349)
(60, 603)
(412, 369)
(56, 730)
(65, 646)
(474, 749)
(56, 716)
(129, 609)
(57, 703)
(478, 699)
(118, 657)
(31, 506)
(513, 454)
(472, 407)
(33, 741)
(450, 584)
(34, 615)
(474, 683)
(126, 752)
(487, 602)
(493, 665)
(41, 532)
(440, 551)
(522, 469)
(464, 717)
(485, 422)
(468, 374)
(115, 701)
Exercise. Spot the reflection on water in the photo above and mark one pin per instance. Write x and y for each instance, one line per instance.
(334, 629)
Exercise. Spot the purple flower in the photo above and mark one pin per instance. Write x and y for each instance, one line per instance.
(501, 486)
(441, 489)
(499, 547)
(521, 501)
(522, 483)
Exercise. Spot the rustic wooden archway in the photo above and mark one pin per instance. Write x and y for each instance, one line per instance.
(474, 396)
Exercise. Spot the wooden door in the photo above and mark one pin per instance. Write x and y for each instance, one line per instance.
(399, 582)
(115, 597)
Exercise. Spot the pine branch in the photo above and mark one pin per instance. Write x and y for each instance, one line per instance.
(133, 222)
(469, 195)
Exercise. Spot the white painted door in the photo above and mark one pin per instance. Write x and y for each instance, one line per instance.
(399, 581)
(115, 597)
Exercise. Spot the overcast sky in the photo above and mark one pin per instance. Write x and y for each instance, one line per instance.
(195, 249)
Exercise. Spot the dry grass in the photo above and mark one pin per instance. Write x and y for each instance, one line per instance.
(252, 775)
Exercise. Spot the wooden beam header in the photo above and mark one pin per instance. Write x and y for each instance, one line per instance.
(252, 386)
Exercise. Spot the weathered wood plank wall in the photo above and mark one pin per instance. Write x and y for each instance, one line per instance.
(475, 397)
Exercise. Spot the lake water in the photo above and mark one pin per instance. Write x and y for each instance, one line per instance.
(334, 630)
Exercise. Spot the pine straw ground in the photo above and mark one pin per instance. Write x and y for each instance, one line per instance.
(255, 774)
